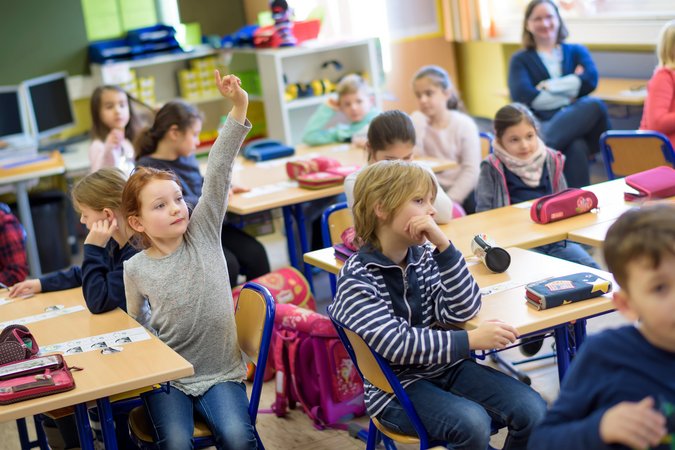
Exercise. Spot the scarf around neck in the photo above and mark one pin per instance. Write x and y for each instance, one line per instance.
(529, 170)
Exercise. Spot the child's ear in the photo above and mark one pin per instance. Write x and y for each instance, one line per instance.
(173, 132)
(135, 224)
(109, 214)
(380, 212)
(623, 304)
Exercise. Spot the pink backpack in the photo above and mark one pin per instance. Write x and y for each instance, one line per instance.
(314, 369)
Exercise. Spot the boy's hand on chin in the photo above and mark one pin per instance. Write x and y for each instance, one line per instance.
(423, 228)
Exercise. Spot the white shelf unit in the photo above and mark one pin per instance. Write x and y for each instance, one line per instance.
(286, 120)
(164, 68)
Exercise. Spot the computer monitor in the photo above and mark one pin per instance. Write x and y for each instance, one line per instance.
(49, 107)
(13, 124)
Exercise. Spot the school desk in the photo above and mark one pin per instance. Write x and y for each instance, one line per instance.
(593, 235)
(19, 174)
(622, 91)
(138, 365)
(271, 188)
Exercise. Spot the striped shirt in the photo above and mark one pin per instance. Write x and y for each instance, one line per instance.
(398, 312)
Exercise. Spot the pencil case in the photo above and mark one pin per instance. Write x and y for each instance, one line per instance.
(294, 169)
(266, 149)
(17, 343)
(320, 180)
(558, 291)
(34, 377)
(564, 204)
(658, 182)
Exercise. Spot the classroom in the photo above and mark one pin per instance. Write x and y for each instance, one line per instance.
(308, 224)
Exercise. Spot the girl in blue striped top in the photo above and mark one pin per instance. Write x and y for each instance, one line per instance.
(405, 282)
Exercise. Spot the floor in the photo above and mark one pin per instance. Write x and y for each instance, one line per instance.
(296, 432)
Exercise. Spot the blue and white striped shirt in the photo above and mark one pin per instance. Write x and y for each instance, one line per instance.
(398, 312)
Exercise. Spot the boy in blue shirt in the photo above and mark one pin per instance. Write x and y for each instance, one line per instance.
(620, 391)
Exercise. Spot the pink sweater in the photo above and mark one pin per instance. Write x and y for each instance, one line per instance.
(458, 142)
(659, 109)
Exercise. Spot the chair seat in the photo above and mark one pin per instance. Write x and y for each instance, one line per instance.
(398, 437)
(140, 426)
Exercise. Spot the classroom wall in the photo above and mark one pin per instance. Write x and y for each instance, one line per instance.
(215, 16)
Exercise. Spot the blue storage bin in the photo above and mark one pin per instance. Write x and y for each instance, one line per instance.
(155, 33)
(112, 50)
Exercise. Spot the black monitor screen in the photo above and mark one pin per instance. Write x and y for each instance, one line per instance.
(10, 114)
(51, 105)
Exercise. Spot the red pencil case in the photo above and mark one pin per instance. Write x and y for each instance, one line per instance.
(320, 180)
(564, 204)
(34, 377)
(658, 182)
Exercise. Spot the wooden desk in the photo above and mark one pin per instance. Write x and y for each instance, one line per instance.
(19, 176)
(593, 235)
(140, 364)
(622, 91)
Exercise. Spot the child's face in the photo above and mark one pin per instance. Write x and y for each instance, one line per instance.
(114, 109)
(431, 98)
(520, 141)
(355, 106)
(396, 151)
(188, 140)
(416, 206)
(543, 23)
(650, 298)
(88, 216)
(164, 214)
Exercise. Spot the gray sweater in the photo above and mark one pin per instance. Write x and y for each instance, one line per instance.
(185, 297)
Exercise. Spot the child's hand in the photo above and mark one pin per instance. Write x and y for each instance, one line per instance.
(101, 232)
(636, 425)
(333, 104)
(423, 227)
(114, 139)
(27, 287)
(236, 189)
(230, 87)
(492, 334)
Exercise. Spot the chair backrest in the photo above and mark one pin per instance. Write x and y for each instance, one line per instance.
(485, 144)
(626, 152)
(255, 322)
(334, 220)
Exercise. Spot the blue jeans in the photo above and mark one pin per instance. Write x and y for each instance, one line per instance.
(575, 130)
(569, 251)
(459, 407)
(224, 407)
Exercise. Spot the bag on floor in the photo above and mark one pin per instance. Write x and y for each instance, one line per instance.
(314, 369)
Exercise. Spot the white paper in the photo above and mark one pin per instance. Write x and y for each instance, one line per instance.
(43, 316)
(92, 343)
(269, 189)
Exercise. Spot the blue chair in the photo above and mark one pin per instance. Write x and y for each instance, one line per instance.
(334, 220)
(626, 152)
(254, 316)
(486, 140)
(376, 370)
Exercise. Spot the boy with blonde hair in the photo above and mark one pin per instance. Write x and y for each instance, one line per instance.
(399, 294)
(620, 390)
(345, 119)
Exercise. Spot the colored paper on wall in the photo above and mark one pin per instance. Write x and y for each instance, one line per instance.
(101, 19)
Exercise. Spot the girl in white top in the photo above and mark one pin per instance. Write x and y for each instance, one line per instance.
(113, 127)
(445, 132)
(178, 286)
(391, 136)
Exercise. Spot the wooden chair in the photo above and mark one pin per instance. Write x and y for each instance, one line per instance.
(376, 370)
(626, 152)
(485, 144)
(334, 220)
(254, 316)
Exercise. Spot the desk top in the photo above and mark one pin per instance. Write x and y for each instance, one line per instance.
(622, 91)
(271, 187)
(36, 166)
(510, 306)
(138, 365)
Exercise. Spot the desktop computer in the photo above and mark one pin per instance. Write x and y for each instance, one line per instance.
(16, 141)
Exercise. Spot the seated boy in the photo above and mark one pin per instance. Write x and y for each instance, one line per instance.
(13, 261)
(620, 390)
(344, 120)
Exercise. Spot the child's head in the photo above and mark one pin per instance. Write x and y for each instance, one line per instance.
(98, 196)
(111, 109)
(516, 130)
(383, 190)
(434, 91)
(665, 48)
(178, 124)
(542, 21)
(640, 252)
(391, 136)
(353, 97)
(153, 205)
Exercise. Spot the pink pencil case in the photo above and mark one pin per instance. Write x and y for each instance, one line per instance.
(650, 184)
(34, 377)
(564, 204)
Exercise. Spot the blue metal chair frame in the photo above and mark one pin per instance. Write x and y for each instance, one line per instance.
(325, 234)
(490, 137)
(608, 156)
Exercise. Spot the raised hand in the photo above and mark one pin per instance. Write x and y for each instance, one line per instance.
(230, 87)
(634, 424)
(101, 232)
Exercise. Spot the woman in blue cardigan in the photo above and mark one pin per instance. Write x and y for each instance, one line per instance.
(554, 79)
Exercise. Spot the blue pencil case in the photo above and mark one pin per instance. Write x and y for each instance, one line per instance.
(266, 149)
